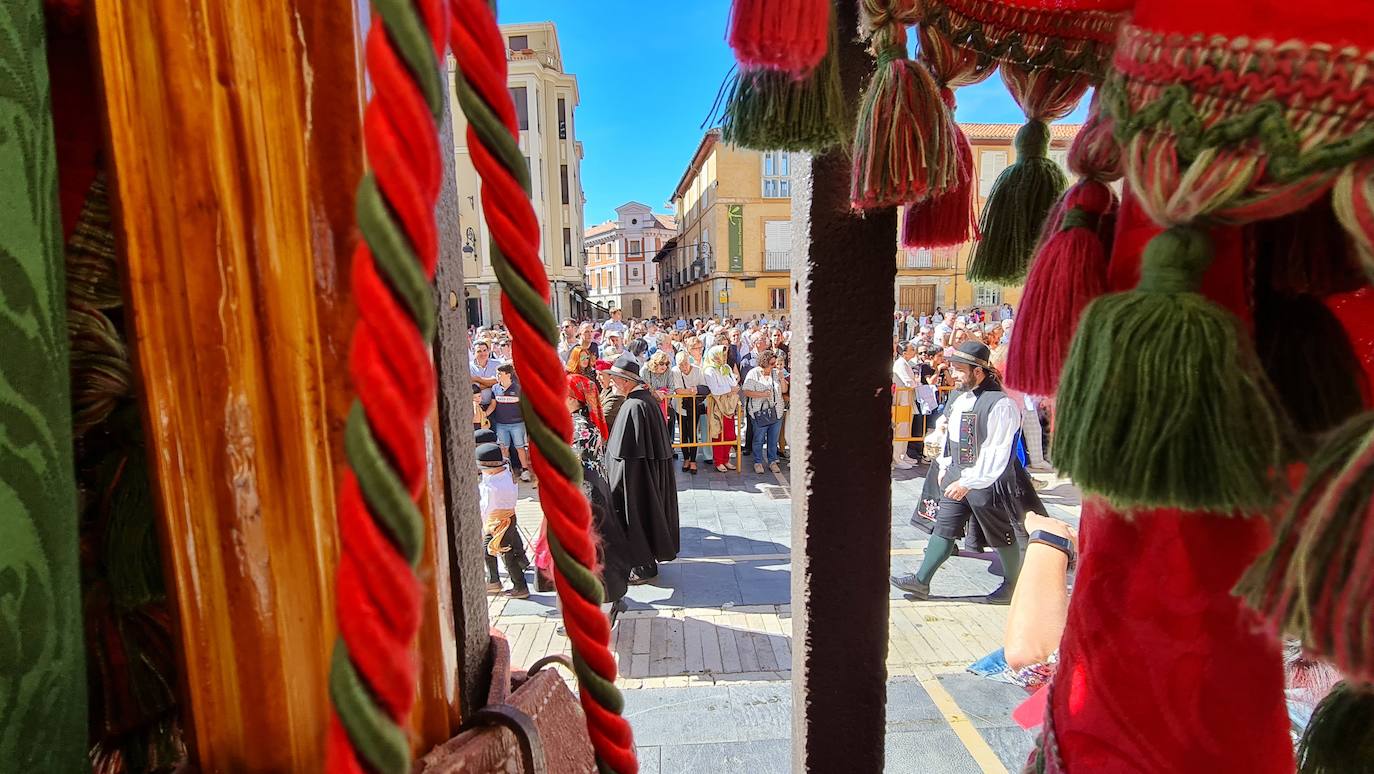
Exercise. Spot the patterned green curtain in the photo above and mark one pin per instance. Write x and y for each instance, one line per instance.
(42, 660)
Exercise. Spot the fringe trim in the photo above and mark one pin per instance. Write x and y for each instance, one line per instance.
(1065, 40)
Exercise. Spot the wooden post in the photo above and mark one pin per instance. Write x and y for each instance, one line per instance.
(841, 480)
(235, 146)
(467, 572)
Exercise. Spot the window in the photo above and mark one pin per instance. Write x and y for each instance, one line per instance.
(990, 165)
(562, 119)
(519, 42)
(538, 112)
(777, 183)
(637, 247)
(634, 272)
(777, 245)
(521, 96)
(986, 295)
(563, 181)
(567, 247)
(636, 308)
(777, 298)
(1060, 156)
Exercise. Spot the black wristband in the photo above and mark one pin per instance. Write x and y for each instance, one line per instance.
(1058, 542)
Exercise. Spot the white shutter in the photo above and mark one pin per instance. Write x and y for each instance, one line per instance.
(777, 236)
(1061, 157)
(990, 165)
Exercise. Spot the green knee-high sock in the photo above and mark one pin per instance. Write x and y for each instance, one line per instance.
(1011, 563)
(937, 551)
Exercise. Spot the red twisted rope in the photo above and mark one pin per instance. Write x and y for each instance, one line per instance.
(492, 141)
(372, 680)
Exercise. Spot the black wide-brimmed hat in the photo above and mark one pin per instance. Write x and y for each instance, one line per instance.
(484, 435)
(626, 367)
(974, 353)
(489, 456)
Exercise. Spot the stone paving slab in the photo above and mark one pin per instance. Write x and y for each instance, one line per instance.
(705, 651)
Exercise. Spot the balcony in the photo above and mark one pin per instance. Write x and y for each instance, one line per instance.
(942, 258)
(777, 260)
(544, 57)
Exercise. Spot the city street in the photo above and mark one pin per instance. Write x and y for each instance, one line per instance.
(705, 652)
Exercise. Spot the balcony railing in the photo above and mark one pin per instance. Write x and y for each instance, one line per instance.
(929, 259)
(777, 260)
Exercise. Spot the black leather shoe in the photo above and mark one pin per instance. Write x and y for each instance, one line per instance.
(1002, 596)
(911, 585)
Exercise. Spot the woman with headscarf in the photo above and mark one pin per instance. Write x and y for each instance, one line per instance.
(589, 441)
(722, 405)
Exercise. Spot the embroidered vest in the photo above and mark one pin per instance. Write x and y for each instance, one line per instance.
(973, 428)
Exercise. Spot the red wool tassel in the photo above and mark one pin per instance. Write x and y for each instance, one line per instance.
(1070, 270)
(788, 35)
(946, 219)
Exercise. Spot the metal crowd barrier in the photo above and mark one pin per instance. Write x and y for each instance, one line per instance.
(738, 443)
(905, 411)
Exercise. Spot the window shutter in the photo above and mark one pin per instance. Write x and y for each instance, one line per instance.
(777, 236)
(990, 165)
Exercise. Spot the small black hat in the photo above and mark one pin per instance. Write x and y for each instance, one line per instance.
(489, 456)
(484, 435)
(626, 367)
(974, 353)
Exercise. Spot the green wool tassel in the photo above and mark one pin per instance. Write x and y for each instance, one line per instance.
(1162, 402)
(1021, 200)
(774, 110)
(1339, 739)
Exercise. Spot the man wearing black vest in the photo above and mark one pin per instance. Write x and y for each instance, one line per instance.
(978, 476)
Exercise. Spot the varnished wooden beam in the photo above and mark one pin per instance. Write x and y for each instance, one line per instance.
(234, 130)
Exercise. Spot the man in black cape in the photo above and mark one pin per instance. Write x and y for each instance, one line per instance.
(639, 467)
(977, 477)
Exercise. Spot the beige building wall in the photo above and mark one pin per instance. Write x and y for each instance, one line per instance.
(927, 279)
(546, 101)
(621, 273)
(698, 276)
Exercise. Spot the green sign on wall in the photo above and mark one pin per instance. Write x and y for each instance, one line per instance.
(735, 212)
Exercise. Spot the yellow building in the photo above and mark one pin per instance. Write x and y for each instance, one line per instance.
(733, 250)
(927, 279)
(545, 98)
(732, 253)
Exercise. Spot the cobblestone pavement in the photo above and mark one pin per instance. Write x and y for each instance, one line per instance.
(705, 652)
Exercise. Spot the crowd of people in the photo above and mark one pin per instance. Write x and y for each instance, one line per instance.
(645, 396)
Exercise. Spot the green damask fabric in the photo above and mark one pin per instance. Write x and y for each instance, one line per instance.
(42, 657)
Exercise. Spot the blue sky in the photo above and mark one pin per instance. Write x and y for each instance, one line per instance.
(648, 72)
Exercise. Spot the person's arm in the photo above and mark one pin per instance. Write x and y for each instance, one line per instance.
(1040, 605)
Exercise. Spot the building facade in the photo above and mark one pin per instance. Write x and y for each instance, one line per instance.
(621, 273)
(732, 254)
(927, 279)
(546, 100)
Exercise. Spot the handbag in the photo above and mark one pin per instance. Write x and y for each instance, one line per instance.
(768, 415)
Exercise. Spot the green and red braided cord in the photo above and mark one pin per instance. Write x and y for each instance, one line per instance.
(373, 673)
(493, 143)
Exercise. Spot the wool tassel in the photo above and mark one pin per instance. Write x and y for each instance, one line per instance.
(772, 110)
(1162, 402)
(1021, 198)
(787, 35)
(1317, 579)
(945, 219)
(1307, 252)
(1297, 337)
(1070, 271)
(903, 144)
(1339, 739)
